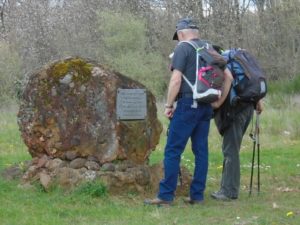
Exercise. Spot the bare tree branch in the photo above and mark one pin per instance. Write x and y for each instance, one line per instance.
(2, 8)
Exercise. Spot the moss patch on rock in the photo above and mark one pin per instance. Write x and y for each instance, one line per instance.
(80, 69)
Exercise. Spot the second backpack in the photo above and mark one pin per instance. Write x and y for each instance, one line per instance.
(249, 83)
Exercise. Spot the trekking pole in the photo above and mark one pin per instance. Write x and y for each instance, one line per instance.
(252, 165)
(258, 152)
(256, 142)
(253, 137)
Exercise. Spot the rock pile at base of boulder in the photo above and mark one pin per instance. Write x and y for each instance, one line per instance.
(119, 177)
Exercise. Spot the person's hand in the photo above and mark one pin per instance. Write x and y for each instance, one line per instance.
(215, 104)
(169, 112)
(259, 107)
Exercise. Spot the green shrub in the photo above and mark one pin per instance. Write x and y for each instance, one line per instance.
(10, 67)
(93, 189)
(126, 49)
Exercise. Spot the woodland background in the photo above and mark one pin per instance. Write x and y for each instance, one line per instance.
(135, 36)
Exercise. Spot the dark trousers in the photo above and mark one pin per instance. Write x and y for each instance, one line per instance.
(232, 139)
(187, 122)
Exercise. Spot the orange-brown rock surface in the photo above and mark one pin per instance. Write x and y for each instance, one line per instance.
(68, 111)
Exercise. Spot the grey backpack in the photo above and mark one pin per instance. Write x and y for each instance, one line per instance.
(209, 73)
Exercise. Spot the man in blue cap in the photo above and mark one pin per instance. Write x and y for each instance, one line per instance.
(190, 119)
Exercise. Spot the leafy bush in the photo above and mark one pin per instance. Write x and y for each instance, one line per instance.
(126, 49)
(10, 67)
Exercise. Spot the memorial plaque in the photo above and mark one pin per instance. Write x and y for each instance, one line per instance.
(131, 104)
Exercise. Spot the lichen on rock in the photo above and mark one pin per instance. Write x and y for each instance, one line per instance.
(68, 108)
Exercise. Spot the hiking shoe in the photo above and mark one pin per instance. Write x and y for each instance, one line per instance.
(219, 195)
(188, 200)
(157, 201)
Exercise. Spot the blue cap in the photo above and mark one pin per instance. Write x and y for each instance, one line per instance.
(182, 24)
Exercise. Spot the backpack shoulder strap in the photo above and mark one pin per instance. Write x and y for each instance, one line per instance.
(195, 45)
(198, 49)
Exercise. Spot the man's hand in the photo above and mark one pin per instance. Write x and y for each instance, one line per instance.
(259, 107)
(169, 112)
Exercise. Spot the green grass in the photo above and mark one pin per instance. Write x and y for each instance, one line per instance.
(12, 148)
(92, 204)
(93, 189)
(284, 86)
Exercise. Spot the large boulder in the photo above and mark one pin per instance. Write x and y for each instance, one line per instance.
(68, 111)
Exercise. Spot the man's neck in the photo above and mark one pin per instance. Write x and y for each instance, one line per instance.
(191, 38)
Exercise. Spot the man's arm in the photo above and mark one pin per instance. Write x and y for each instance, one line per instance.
(228, 78)
(173, 90)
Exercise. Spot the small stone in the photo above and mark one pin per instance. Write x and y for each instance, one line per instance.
(96, 72)
(66, 79)
(123, 166)
(91, 165)
(92, 158)
(69, 155)
(54, 164)
(77, 163)
(108, 167)
(34, 160)
(12, 173)
(30, 173)
(82, 170)
(42, 161)
(45, 180)
(90, 175)
(68, 177)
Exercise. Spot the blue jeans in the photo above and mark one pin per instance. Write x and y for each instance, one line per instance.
(186, 122)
